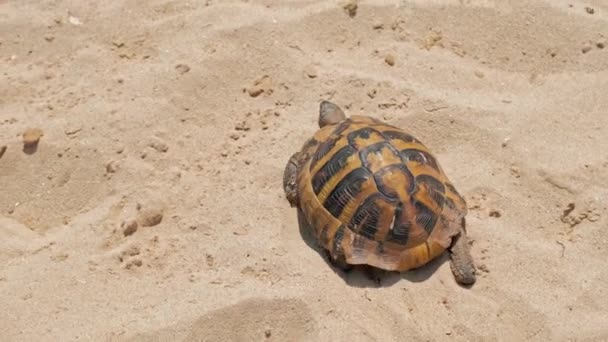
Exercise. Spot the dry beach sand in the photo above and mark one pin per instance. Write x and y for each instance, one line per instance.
(151, 208)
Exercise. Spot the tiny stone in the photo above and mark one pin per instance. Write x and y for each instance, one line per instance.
(600, 45)
(261, 85)
(378, 26)
(267, 333)
(351, 8)
(159, 146)
(2, 150)
(390, 59)
(586, 49)
(515, 172)
(234, 136)
(495, 213)
(182, 68)
(49, 38)
(129, 227)
(505, 142)
(134, 262)
(255, 91)
(31, 136)
(589, 10)
(224, 154)
(242, 126)
(150, 217)
(111, 167)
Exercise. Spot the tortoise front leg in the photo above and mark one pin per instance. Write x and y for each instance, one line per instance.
(290, 176)
(461, 261)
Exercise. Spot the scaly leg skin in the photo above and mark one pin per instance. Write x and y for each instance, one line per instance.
(290, 176)
(461, 261)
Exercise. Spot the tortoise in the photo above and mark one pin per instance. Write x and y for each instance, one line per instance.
(374, 195)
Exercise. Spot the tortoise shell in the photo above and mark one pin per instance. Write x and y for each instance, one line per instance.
(376, 195)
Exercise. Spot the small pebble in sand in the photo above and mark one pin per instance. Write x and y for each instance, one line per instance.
(255, 91)
(159, 146)
(150, 217)
(242, 126)
(586, 48)
(129, 227)
(261, 85)
(350, 7)
(134, 262)
(182, 68)
(111, 167)
(495, 213)
(589, 10)
(32, 136)
(389, 59)
(515, 172)
(2, 150)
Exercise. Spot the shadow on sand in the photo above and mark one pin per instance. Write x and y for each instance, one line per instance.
(367, 276)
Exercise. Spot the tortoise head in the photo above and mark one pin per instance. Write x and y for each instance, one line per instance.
(329, 114)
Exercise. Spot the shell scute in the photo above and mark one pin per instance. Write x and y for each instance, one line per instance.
(377, 195)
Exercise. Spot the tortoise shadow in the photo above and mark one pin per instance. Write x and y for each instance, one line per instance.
(364, 276)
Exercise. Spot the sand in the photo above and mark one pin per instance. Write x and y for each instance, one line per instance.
(150, 206)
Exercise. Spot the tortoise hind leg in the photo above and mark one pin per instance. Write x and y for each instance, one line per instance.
(290, 176)
(461, 261)
(339, 262)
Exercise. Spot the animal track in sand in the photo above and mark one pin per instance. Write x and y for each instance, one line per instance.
(50, 187)
(257, 319)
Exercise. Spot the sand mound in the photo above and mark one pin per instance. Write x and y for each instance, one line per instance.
(151, 207)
